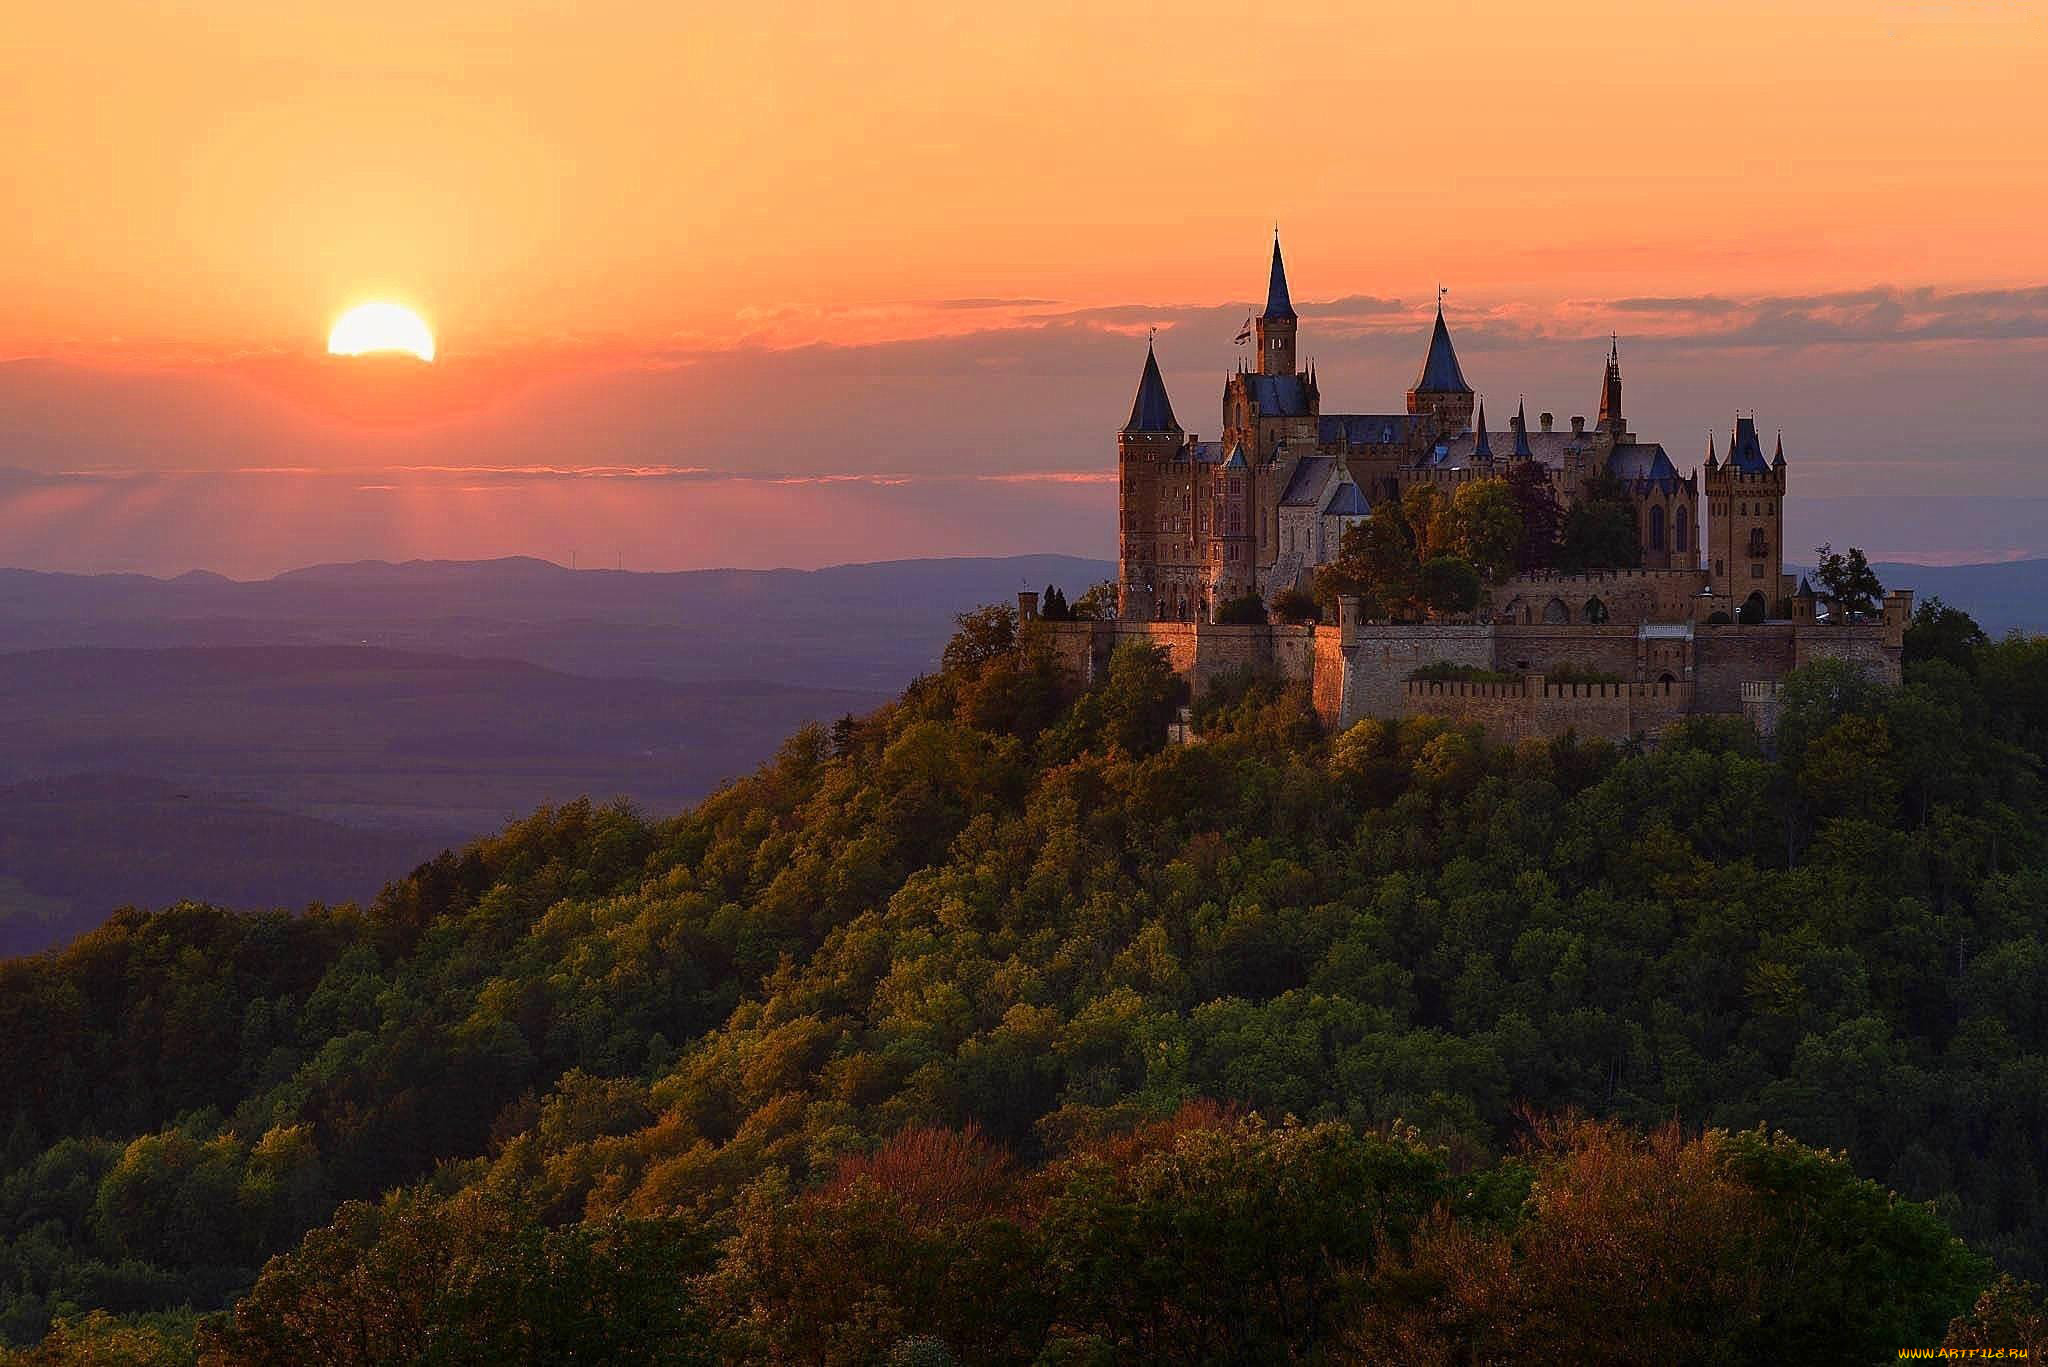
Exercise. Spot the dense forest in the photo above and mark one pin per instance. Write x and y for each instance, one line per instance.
(991, 1027)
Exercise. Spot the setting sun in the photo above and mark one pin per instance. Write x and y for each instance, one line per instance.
(381, 326)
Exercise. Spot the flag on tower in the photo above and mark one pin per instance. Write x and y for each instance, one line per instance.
(1244, 333)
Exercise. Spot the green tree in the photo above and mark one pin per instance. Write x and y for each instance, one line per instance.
(984, 634)
(1941, 632)
(1541, 518)
(1847, 581)
(1487, 531)
(1600, 531)
(1249, 610)
(1449, 585)
(1097, 604)
(1295, 604)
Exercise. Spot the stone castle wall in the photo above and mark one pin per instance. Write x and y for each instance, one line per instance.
(1359, 669)
(1534, 706)
(1629, 596)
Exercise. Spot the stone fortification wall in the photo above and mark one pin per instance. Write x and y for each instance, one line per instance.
(1383, 655)
(1198, 652)
(1628, 597)
(1535, 707)
(1358, 669)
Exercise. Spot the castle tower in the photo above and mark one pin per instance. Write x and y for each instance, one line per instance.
(1277, 325)
(1746, 525)
(1440, 390)
(1232, 543)
(1611, 421)
(1147, 442)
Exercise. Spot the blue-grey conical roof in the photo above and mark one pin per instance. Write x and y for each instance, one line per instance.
(1278, 305)
(1481, 445)
(1151, 411)
(1440, 372)
(1522, 451)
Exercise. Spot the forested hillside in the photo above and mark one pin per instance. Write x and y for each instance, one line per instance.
(992, 1028)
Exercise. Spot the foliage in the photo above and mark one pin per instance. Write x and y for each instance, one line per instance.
(636, 1074)
(1541, 518)
(1487, 529)
(1847, 581)
(1295, 605)
(1249, 610)
(1449, 585)
(1600, 532)
(1052, 605)
(1426, 551)
(1941, 632)
(1098, 604)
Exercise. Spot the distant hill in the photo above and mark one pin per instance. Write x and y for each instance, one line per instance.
(857, 626)
(258, 776)
(2000, 597)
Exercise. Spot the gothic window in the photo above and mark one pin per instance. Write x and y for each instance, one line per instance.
(1595, 612)
(1556, 613)
(1656, 529)
(1756, 542)
(1680, 535)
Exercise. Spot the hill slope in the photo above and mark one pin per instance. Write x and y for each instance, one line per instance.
(595, 1058)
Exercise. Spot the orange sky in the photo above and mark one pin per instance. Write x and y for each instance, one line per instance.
(226, 175)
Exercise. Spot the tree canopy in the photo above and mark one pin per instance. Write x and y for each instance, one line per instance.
(992, 1026)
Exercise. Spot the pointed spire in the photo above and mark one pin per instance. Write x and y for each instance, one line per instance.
(1779, 459)
(1610, 387)
(1278, 305)
(1522, 451)
(1440, 372)
(1482, 448)
(1711, 462)
(1151, 411)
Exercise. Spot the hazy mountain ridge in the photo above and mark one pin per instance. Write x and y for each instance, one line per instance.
(864, 626)
(325, 765)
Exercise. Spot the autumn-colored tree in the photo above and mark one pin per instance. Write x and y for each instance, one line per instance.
(1486, 528)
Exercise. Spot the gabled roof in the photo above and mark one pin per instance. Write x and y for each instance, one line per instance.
(1641, 460)
(1346, 500)
(1151, 411)
(1364, 429)
(1236, 461)
(1278, 305)
(1307, 484)
(1440, 372)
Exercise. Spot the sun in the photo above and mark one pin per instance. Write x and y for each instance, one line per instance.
(380, 326)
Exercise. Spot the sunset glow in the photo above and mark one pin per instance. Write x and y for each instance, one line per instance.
(381, 326)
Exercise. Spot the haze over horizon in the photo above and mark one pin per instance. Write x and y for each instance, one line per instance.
(777, 351)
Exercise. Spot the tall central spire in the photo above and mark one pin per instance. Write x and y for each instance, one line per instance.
(1278, 304)
(1277, 325)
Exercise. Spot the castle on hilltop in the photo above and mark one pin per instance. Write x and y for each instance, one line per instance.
(1706, 624)
(1201, 523)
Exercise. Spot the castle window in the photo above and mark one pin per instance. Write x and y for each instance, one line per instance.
(1756, 542)
(1684, 521)
(1656, 529)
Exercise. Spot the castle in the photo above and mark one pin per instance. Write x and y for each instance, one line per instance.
(1706, 625)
